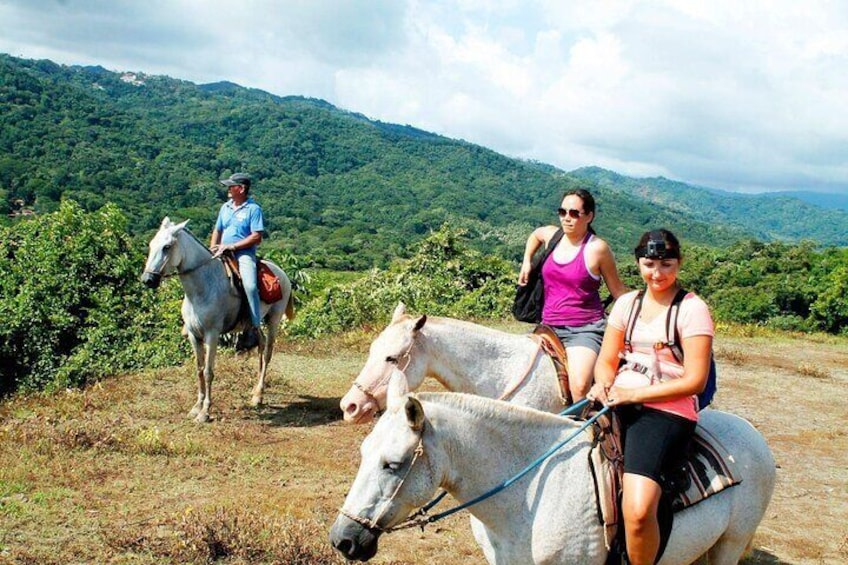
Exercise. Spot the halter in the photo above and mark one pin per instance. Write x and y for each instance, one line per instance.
(384, 381)
(420, 519)
(374, 524)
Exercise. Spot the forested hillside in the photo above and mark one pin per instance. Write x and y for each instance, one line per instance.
(766, 217)
(338, 190)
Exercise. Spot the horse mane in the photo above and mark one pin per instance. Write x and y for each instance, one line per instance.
(197, 239)
(488, 408)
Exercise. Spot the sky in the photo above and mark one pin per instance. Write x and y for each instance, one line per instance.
(740, 95)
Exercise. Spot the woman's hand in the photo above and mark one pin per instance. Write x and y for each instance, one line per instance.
(524, 273)
(598, 393)
(618, 395)
(611, 396)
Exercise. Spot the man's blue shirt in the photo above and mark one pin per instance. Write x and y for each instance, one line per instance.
(237, 222)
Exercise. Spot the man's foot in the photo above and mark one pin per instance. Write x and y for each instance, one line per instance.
(247, 340)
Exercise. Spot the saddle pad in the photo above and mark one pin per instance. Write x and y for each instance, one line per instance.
(710, 469)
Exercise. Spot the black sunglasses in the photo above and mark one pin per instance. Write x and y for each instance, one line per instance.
(570, 212)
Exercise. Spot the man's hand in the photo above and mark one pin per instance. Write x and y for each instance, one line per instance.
(219, 249)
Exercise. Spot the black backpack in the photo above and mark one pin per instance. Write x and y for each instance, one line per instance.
(673, 342)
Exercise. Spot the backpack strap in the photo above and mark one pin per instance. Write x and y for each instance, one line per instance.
(672, 331)
(552, 245)
(635, 308)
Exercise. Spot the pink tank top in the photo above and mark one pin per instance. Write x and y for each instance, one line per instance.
(571, 291)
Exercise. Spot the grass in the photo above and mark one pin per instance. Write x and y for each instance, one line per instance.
(116, 473)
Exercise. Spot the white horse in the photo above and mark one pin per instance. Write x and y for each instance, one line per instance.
(464, 357)
(468, 444)
(211, 306)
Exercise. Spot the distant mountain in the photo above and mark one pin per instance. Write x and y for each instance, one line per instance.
(820, 199)
(337, 188)
(768, 217)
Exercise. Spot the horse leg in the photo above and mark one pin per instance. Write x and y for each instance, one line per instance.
(266, 347)
(199, 363)
(211, 347)
(264, 356)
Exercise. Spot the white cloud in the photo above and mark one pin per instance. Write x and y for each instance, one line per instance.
(732, 94)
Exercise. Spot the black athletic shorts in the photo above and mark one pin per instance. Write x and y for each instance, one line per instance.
(654, 441)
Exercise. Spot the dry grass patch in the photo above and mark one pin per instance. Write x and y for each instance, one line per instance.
(227, 534)
(813, 371)
(732, 355)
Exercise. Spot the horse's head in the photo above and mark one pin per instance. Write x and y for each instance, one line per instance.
(393, 348)
(396, 475)
(164, 255)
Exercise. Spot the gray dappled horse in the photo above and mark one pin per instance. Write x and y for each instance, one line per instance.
(211, 305)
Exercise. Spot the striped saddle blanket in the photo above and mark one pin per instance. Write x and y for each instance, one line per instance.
(708, 470)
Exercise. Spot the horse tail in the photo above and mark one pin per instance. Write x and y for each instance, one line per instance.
(290, 307)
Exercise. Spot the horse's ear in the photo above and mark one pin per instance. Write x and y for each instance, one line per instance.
(166, 223)
(414, 413)
(400, 311)
(420, 323)
(179, 226)
(398, 388)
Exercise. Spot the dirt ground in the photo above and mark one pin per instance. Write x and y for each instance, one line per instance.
(117, 474)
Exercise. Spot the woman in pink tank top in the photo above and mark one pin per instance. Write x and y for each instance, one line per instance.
(572, 277)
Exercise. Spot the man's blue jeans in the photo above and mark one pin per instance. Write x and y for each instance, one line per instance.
(249, 278)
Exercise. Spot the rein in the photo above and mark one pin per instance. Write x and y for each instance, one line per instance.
(420, 519)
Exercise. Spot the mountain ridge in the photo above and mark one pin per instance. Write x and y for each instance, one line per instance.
(336, 186)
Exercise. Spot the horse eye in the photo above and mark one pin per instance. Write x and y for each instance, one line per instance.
(391, 466)
(392, 359)
(166, 247)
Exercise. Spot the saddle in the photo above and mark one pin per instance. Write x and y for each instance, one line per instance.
(270, 290)
(707, 470)
(551, 344)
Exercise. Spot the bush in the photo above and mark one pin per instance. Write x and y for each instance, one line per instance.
(72, 304)
(443, 278)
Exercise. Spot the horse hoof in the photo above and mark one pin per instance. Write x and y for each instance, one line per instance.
(202, 418)
(256, 401)
(194, 412)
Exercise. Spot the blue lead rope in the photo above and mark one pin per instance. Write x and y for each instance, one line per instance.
(575, 408)
(510, 481)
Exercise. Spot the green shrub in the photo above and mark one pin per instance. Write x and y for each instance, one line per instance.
(444, 277)
(72, 304)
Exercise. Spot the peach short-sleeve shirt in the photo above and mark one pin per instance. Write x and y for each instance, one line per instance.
(693, 319)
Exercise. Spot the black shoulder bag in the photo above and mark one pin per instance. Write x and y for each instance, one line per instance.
(529, 299)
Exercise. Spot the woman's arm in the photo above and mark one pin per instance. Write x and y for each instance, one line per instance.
(606, 366)
(537, 237)
(696, 367)
(608, 270)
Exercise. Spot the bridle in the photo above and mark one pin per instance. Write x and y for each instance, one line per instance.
(160, 272)
(410, 521)
(370, 391)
